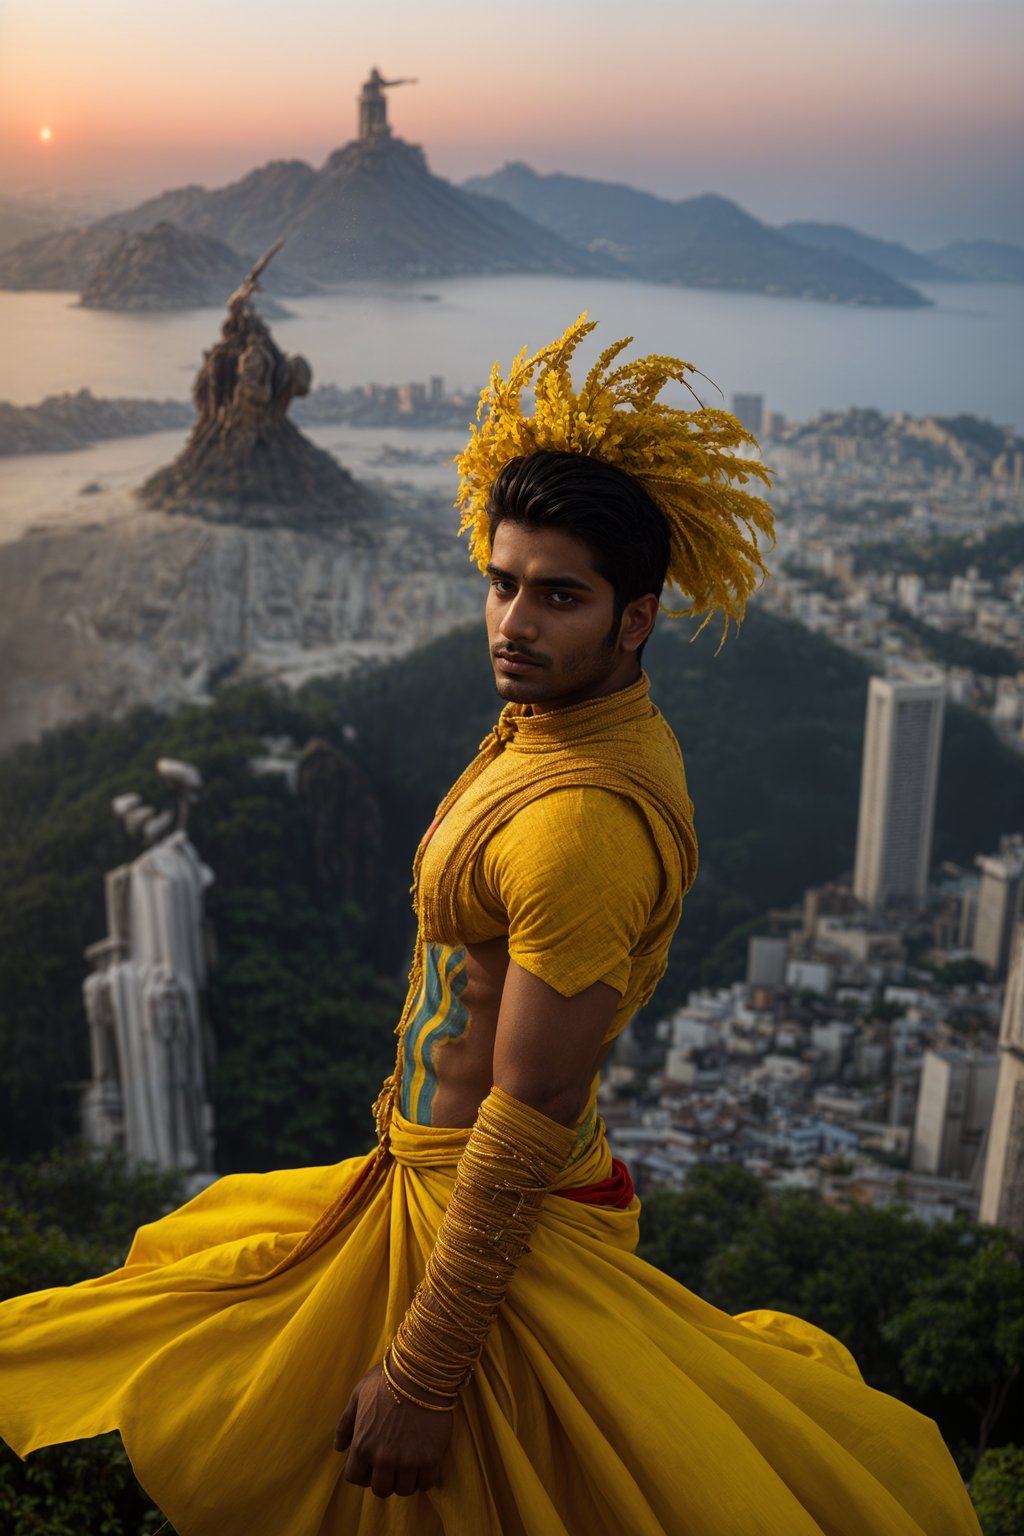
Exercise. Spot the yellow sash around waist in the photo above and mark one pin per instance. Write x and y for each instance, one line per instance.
(441, 1146)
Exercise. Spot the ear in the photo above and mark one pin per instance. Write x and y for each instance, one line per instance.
(637, 622)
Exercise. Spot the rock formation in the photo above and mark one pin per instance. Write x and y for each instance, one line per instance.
(245, 461)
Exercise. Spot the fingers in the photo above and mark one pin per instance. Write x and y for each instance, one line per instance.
(358, 1469)
(383, 1480)
(346, 1425)
(382, 1484)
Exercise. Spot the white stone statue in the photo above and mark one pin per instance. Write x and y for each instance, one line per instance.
(151, 1043)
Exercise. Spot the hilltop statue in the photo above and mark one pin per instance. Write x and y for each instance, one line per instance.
(373, 105)
(245, 461)
(150, 1038)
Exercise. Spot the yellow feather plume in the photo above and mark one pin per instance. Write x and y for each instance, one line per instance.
(685, 461)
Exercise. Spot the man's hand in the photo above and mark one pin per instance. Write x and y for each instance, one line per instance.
(392, 1447)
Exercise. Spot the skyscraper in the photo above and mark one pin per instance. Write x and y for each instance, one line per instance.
(899, 775)
(1002, 1190)
(999, 902)
(954, 1107)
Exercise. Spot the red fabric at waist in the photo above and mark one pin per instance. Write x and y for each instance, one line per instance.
(616, 1191)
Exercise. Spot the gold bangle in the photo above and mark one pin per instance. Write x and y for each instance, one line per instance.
(398, 1393)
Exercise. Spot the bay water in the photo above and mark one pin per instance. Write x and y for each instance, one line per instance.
(964, 353)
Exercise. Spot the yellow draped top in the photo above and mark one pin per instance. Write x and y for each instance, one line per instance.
(572, 834)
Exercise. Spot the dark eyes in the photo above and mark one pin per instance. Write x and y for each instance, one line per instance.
(555, 598)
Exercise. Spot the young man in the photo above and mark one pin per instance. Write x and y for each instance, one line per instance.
(564, 915)
(510, 1367)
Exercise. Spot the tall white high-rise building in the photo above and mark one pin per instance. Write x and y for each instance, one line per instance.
(954, 1108)
(899, 776)
(1002, 1190)
(999, 904)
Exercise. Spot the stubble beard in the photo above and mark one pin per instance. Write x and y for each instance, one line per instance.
(579, 675)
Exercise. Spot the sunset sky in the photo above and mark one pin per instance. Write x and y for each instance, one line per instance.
(903, 117)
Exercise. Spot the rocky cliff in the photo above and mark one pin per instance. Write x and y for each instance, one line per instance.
(150, 608)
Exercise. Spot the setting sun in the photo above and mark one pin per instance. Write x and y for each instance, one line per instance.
(46, 134)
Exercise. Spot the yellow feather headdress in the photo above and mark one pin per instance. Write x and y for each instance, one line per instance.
(685, 461)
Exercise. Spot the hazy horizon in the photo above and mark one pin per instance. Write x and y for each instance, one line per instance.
(903, 120)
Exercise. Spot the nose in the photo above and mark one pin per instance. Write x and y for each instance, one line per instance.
(518, 619)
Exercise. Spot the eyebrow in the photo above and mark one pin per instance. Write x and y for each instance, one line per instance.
(572, 582)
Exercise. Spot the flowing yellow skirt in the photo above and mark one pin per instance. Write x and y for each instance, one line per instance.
(609, 1400)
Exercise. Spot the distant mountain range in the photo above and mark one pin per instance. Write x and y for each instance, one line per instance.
(886, 256)
(709, 241)
(374, 209)
(976, 261)
(983, 261)
(701, 242)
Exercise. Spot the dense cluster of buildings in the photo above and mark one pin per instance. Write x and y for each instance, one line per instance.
(874, 1050)
(416, 404)
(852, 485)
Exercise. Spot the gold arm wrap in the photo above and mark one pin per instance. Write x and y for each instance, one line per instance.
(512, 1158)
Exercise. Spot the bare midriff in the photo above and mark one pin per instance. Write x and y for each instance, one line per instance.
(464, 1067)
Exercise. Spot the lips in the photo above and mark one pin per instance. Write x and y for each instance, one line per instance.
(514, 663)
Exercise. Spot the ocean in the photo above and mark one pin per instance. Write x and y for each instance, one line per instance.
(965, 353)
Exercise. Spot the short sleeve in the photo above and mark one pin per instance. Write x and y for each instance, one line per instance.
(578, 874)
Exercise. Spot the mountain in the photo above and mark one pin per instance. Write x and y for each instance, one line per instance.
(249, 214)
(374, 209)
(702, 242)
(983, 261)
(377, 208)
(167, 268)
(887, 256)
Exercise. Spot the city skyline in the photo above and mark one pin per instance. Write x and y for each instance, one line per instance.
(903, 121)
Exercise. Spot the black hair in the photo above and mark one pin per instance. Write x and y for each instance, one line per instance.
(600, 505)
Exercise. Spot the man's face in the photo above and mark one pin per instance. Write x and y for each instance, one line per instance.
(549, 621)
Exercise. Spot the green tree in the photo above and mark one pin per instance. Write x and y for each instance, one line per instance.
(997, 1491)
(86, 1488)
(961, 1334)
(64, 1219)
(681, 1233)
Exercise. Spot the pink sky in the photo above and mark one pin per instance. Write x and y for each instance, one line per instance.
(904, 117)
